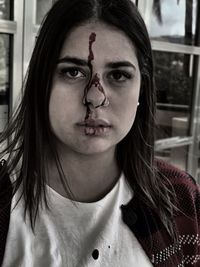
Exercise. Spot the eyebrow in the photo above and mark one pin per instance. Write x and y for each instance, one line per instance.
(83, 62)
(118, 64)
(74, 60)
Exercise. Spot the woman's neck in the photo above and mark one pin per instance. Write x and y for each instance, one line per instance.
(90, 177)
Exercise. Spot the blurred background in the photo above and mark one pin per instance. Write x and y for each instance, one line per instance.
(174, 29)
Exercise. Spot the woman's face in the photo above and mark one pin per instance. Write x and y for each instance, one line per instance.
(95, 90)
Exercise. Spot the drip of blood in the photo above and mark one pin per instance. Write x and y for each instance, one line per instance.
(92, 39)
(96, 83)
(92, 81)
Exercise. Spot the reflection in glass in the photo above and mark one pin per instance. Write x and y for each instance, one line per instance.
(4, 79)
(171, 20)
(176, 156)
(42, 8)
(5, 9)
(174, 92)
(173, 75)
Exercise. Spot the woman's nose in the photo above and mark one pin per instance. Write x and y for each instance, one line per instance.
(95, 95)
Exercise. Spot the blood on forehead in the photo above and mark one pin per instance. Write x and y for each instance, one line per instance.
(92, 39)
(93, 81)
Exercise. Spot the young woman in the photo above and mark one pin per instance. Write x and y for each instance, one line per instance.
(80, 186)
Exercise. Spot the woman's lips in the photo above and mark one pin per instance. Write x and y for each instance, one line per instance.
(97, 130)
(95, 127)
(94, 123)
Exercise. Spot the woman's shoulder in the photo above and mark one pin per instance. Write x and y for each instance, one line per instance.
(186, 188)
(174, 174)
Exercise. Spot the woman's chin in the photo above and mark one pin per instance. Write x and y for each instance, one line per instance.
(95, 149)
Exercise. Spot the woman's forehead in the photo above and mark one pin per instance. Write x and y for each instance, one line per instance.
(109, 42)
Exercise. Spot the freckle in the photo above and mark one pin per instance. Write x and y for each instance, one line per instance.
(108, 246)
(95, 254)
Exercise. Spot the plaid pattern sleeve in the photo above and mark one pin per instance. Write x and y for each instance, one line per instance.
(162, 250)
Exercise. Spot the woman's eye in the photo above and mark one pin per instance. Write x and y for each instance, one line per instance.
(71, 73)
(119, 76)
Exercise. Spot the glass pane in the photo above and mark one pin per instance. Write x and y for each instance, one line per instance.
(5, 9)
(173, 75)
(42, 8)
(4, 79)
(171, 20)
(176, 156)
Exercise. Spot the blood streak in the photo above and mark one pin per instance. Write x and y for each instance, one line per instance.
(92, 39)
(96, 83)
(93, 80)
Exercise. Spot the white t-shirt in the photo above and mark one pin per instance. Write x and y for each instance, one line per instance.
(72, 235)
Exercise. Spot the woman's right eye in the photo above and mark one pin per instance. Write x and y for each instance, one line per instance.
(71, 73)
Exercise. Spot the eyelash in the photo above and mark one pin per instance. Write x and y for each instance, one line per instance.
(64, 72)
(126, 76)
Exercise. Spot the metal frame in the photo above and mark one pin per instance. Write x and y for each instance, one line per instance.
(172, 142)
(7, 26)
(193, 153)
(194, 150)
(17, 52)
(29, 31)
(15, 29)
(175, 48)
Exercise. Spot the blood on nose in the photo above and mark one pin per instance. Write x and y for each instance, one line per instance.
(96, 95)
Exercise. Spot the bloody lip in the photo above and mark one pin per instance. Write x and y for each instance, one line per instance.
(96, 127)
(94, 123)
(96, 130)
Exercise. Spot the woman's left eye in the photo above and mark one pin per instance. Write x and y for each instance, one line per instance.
(119, 76)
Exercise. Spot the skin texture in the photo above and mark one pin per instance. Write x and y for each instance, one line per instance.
(90, 158)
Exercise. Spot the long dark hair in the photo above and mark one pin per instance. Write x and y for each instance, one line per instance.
(31, 141)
